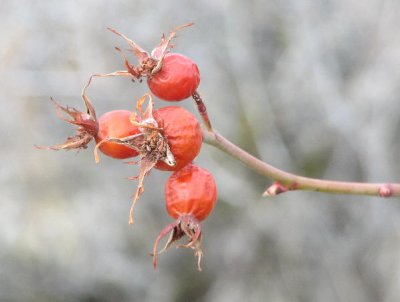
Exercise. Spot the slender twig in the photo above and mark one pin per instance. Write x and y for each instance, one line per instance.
(285, 181)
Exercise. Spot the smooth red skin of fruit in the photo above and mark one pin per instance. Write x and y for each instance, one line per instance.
(177, 80)
(116, 124)
(190, 191)
(183, 132)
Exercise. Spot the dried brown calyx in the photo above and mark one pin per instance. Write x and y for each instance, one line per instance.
(149, 64)
(186, 225)
(86, 122)
(151, 143)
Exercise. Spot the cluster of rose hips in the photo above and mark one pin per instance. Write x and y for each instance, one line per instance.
(166, 139)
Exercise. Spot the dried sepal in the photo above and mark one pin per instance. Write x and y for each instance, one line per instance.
(86, 122)
(132, 141)
(122, 73)
(144, 117)
(150, 143)
(159, 52)
(78, 141)
(185, 225)
(154, 146)
(145, 167)
(139, 52)
(148, 64)
(131, 70)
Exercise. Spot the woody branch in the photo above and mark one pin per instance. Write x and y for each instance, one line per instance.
(284, 181)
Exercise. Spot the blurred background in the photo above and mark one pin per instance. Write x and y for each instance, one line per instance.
(311, 87)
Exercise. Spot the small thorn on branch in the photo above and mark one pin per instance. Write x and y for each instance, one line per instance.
(385, 191)
(277, 188)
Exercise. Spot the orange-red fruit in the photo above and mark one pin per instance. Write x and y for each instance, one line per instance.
(116, 124)
(183, 132)
(190, 191)
(177, 80)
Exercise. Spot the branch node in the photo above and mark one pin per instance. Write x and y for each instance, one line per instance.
(386, 191)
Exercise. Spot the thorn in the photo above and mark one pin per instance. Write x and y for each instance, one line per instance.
(275, 189)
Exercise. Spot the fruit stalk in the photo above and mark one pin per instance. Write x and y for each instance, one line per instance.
(201, 107)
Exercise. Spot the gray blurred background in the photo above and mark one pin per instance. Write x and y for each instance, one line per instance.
(309, 86)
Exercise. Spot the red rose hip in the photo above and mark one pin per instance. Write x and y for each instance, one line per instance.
(168, 139)
(183, 134)
(177, 79)
(190, 196)
(190, 191)
(116, 124)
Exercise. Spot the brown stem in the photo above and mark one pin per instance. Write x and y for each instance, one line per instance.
(295, 182)
(201, 107)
